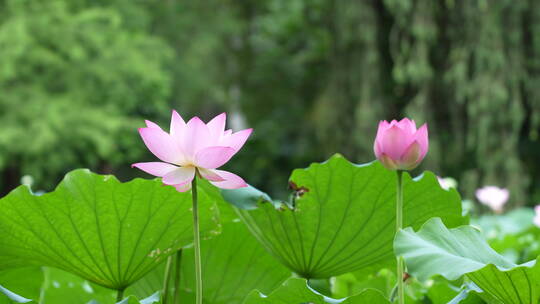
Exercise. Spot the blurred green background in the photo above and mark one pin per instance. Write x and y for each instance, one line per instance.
(312, 77)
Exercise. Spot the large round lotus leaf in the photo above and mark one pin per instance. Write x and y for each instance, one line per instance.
(462, 251)
(107, 232)
(234, 263)
(341, 216)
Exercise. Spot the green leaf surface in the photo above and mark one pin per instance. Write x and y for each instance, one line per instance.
(107, 232)
(347, 284)
(498, 226)
(521, 284)
(384, 281)
(521, 247)
(441, 292)
(296, 291)
(343, 217)
(63, 287)
(53, 286)
(246, 198)
(26, 281)
(226, 211)
(234, 263)
(453, 253)
(322, 286)
(7, 297)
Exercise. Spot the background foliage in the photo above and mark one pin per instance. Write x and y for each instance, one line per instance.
(312, 77)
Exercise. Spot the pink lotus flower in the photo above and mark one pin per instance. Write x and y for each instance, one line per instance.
(536, 220)
(493, 196)
(399, 145)
(193, 148)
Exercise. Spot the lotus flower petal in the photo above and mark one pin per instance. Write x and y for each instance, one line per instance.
(412, 154)
(210, 175)
(160, 144)
(493, 197)
(231, 181)
(407, 125)
(213, 157)
(216, 126)
(395, 142)
(155, 168)
(150, 124)
(422, 137)
(236, 140)
(196, 137)
(183, 187)
(178, 126)
(180, 175)
(388, 162)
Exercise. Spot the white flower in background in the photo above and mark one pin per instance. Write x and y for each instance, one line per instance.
(27, 180)
(536, 219)
(447, 182)
(493, 196)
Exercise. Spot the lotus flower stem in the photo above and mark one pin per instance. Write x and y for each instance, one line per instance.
(119, 295)
(166, 279)
(399, 225)
(196, 243)
(177, 277)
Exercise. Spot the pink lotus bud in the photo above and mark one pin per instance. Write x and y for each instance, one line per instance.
(493, 196)
(537, 216)
(399, 145)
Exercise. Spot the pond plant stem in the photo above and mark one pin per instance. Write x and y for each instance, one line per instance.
(166, 279)
(196, 243)
(120, 295)
(399, 226)
(177, 277)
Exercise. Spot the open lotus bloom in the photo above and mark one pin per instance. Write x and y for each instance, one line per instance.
(493, 196)
(536, 219)
(399, 145)
(193, 147)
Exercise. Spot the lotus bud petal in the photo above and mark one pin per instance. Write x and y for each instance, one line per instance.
(399, 145)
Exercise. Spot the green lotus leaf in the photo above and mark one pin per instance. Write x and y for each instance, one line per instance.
(63, 287)
(24, 281)
(512, 234)
(341, 216)
(462, 251)
(234, 263)
(107, 232)
(7, 296)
